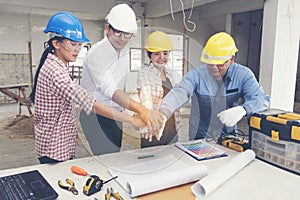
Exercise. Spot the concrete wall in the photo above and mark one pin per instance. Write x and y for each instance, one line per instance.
(14, 70)
(16, 31)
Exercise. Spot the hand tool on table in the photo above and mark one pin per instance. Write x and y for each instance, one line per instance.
(110, 193)
(116, 195)
(70, 186)
(107, 195)
(233, 143)
(94, 184)
(79, 171)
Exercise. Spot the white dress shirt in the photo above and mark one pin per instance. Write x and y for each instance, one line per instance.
(104, 72)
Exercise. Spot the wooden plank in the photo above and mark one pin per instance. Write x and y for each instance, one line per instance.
(15, 86)
(13, 95)
(20, 97)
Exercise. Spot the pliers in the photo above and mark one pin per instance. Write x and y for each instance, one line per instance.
(110, 192)
(70, 187)
(107, 195)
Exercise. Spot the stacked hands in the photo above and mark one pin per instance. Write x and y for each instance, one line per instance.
(153, 121)
(157, 132)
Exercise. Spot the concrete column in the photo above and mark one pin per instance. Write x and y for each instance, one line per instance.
(228, 23)
(279, 55)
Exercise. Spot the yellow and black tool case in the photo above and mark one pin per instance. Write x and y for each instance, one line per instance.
(274, 135)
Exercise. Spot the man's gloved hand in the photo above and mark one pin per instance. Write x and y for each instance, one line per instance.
(232, 116)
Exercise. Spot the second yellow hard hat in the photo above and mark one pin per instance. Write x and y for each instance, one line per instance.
(219, 48)
(158, 41)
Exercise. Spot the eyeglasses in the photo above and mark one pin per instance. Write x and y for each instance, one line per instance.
(226, 61)
(222, 65)
(72, 45)
(118, 33)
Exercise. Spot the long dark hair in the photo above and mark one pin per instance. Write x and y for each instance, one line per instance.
(149, 55)
(49, 49)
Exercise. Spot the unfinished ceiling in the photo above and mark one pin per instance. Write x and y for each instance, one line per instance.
(97, 9)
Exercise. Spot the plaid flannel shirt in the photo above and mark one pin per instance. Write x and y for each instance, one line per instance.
(55, 118)
(151, 92)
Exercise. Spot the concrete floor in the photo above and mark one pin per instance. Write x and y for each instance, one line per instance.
(14, 152)
(18, 152)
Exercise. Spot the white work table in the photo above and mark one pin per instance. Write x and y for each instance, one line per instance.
(258, 180)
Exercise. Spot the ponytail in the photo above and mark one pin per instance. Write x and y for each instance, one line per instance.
(49, 49)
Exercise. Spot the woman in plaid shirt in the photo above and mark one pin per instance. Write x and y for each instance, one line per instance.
(55, 95)
(154, 82)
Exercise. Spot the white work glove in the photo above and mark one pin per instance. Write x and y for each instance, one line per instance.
(232, 116)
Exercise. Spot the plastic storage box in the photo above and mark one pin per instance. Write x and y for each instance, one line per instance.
(275, 138)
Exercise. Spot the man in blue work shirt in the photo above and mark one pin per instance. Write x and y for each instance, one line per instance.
(224, 91)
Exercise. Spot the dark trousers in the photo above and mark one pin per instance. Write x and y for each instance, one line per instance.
(46, 159)
(104, 135)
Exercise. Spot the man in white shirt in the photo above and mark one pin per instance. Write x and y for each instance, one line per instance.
(104, 75)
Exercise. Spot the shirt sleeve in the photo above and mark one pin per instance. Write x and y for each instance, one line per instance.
(106, 83)
(144, 88)
(101, 69)
(255, 99)
(180, 94)
(68, 90)
(145, 96)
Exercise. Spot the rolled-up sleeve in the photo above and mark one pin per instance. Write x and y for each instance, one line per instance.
(254, 96)
(66, 88)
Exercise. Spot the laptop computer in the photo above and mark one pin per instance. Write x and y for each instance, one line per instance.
(29, 185)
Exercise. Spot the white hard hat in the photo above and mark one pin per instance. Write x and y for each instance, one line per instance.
(122, 18)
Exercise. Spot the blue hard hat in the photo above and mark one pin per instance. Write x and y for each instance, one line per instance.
(67, 25)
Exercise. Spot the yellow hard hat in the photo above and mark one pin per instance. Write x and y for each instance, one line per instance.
(219, 48)
(158, 41)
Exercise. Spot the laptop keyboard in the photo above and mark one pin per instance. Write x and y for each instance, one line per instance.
(14, 188)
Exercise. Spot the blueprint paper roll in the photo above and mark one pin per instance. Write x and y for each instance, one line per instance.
(211, 182)
(157, 174)
(151, 183)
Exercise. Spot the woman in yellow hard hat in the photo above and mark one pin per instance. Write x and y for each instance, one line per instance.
(153, 83)
(218, 86)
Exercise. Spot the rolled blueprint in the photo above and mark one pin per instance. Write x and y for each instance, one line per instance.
(209, 183)
(152, 183)
(137, 179)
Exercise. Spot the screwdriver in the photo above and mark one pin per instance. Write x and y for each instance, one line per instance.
(79, 171)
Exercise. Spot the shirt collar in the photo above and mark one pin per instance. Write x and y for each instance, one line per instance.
(158, 72)
(123, 51)
(53, 57)
(227, 77)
